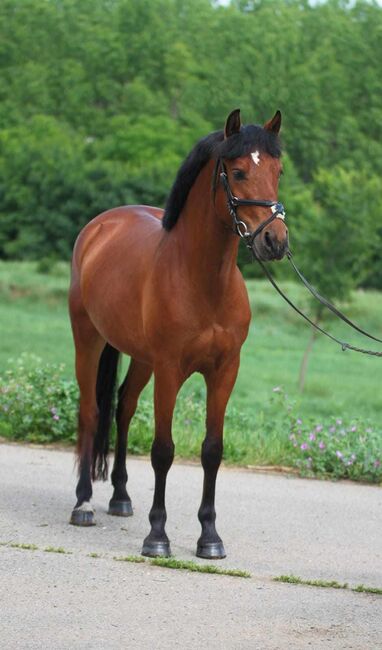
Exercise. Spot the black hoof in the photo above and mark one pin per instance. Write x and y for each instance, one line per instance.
(210, 550)
(152, 548)
(82, 518)
(120, 508)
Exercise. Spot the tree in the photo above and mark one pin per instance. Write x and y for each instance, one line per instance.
(335, 246)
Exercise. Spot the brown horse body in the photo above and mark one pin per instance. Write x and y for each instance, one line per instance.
(173, 299)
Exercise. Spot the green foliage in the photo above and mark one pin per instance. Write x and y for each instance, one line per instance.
(100, 101)
(336, 249)
(37, 403)
(352, 450)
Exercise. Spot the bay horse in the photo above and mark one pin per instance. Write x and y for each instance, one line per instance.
(163, 287)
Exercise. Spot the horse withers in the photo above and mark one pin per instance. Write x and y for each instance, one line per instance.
(163, 287)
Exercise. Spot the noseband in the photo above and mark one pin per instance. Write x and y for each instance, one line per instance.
(233, 202)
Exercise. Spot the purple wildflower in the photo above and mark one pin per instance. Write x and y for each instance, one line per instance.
(56, 417)
(312, 436)
(353, 428)
(321, 444)
(319, 428)
(299, 421)
(377, 463)
(339, 454)
(339, 421)
(304, 446)
(332, 429)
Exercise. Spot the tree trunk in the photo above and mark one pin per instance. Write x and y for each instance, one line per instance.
(305, 359)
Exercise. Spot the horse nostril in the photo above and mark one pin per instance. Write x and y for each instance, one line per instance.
(268, 239)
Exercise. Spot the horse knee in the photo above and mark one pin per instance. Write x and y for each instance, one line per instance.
(162, 455)
(212, 452)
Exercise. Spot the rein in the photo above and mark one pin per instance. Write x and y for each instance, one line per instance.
(278, 212)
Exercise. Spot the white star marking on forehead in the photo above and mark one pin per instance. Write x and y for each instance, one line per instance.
(256, 157)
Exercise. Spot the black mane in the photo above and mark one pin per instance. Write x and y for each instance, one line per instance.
(214, 146)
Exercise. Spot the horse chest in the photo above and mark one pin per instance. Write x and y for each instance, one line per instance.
(209, 349)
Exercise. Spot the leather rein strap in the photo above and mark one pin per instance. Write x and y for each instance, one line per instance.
(278, 212)
(345, 346)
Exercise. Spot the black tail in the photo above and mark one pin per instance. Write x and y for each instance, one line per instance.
(106, 384)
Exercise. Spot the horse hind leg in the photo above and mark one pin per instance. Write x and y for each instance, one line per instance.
(88, 347)
(136, 379)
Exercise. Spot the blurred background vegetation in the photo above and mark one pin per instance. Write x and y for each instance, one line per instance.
(100, 100)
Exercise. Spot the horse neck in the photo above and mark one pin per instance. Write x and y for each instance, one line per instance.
(208, 247)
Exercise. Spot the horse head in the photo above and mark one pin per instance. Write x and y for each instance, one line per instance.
(249, 168)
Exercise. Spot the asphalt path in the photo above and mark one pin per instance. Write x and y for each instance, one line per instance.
(270, 524)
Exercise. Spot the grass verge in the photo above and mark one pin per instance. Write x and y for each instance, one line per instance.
(59, 549)
(184, 565)
(333, 431)
(327, 584)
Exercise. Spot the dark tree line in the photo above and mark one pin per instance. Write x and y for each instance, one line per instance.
(101, 99)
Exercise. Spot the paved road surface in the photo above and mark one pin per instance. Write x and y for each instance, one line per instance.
(270, 525)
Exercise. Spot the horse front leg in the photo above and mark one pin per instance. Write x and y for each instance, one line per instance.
(166, 387)
(219, 387)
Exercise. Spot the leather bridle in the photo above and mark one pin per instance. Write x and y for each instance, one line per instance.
(234, 202)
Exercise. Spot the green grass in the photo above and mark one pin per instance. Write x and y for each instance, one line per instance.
(59, 549)
(327, 584)
(33, 318)
(184, 565)
(295, 580)
(136, 559)
(362, 589)
(24, 547)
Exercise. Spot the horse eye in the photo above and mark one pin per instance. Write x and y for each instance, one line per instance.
(238, 174)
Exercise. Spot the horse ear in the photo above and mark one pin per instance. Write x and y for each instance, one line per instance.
(274, 124)
(233, 123)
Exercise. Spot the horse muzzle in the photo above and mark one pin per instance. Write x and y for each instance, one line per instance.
(269, 246)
